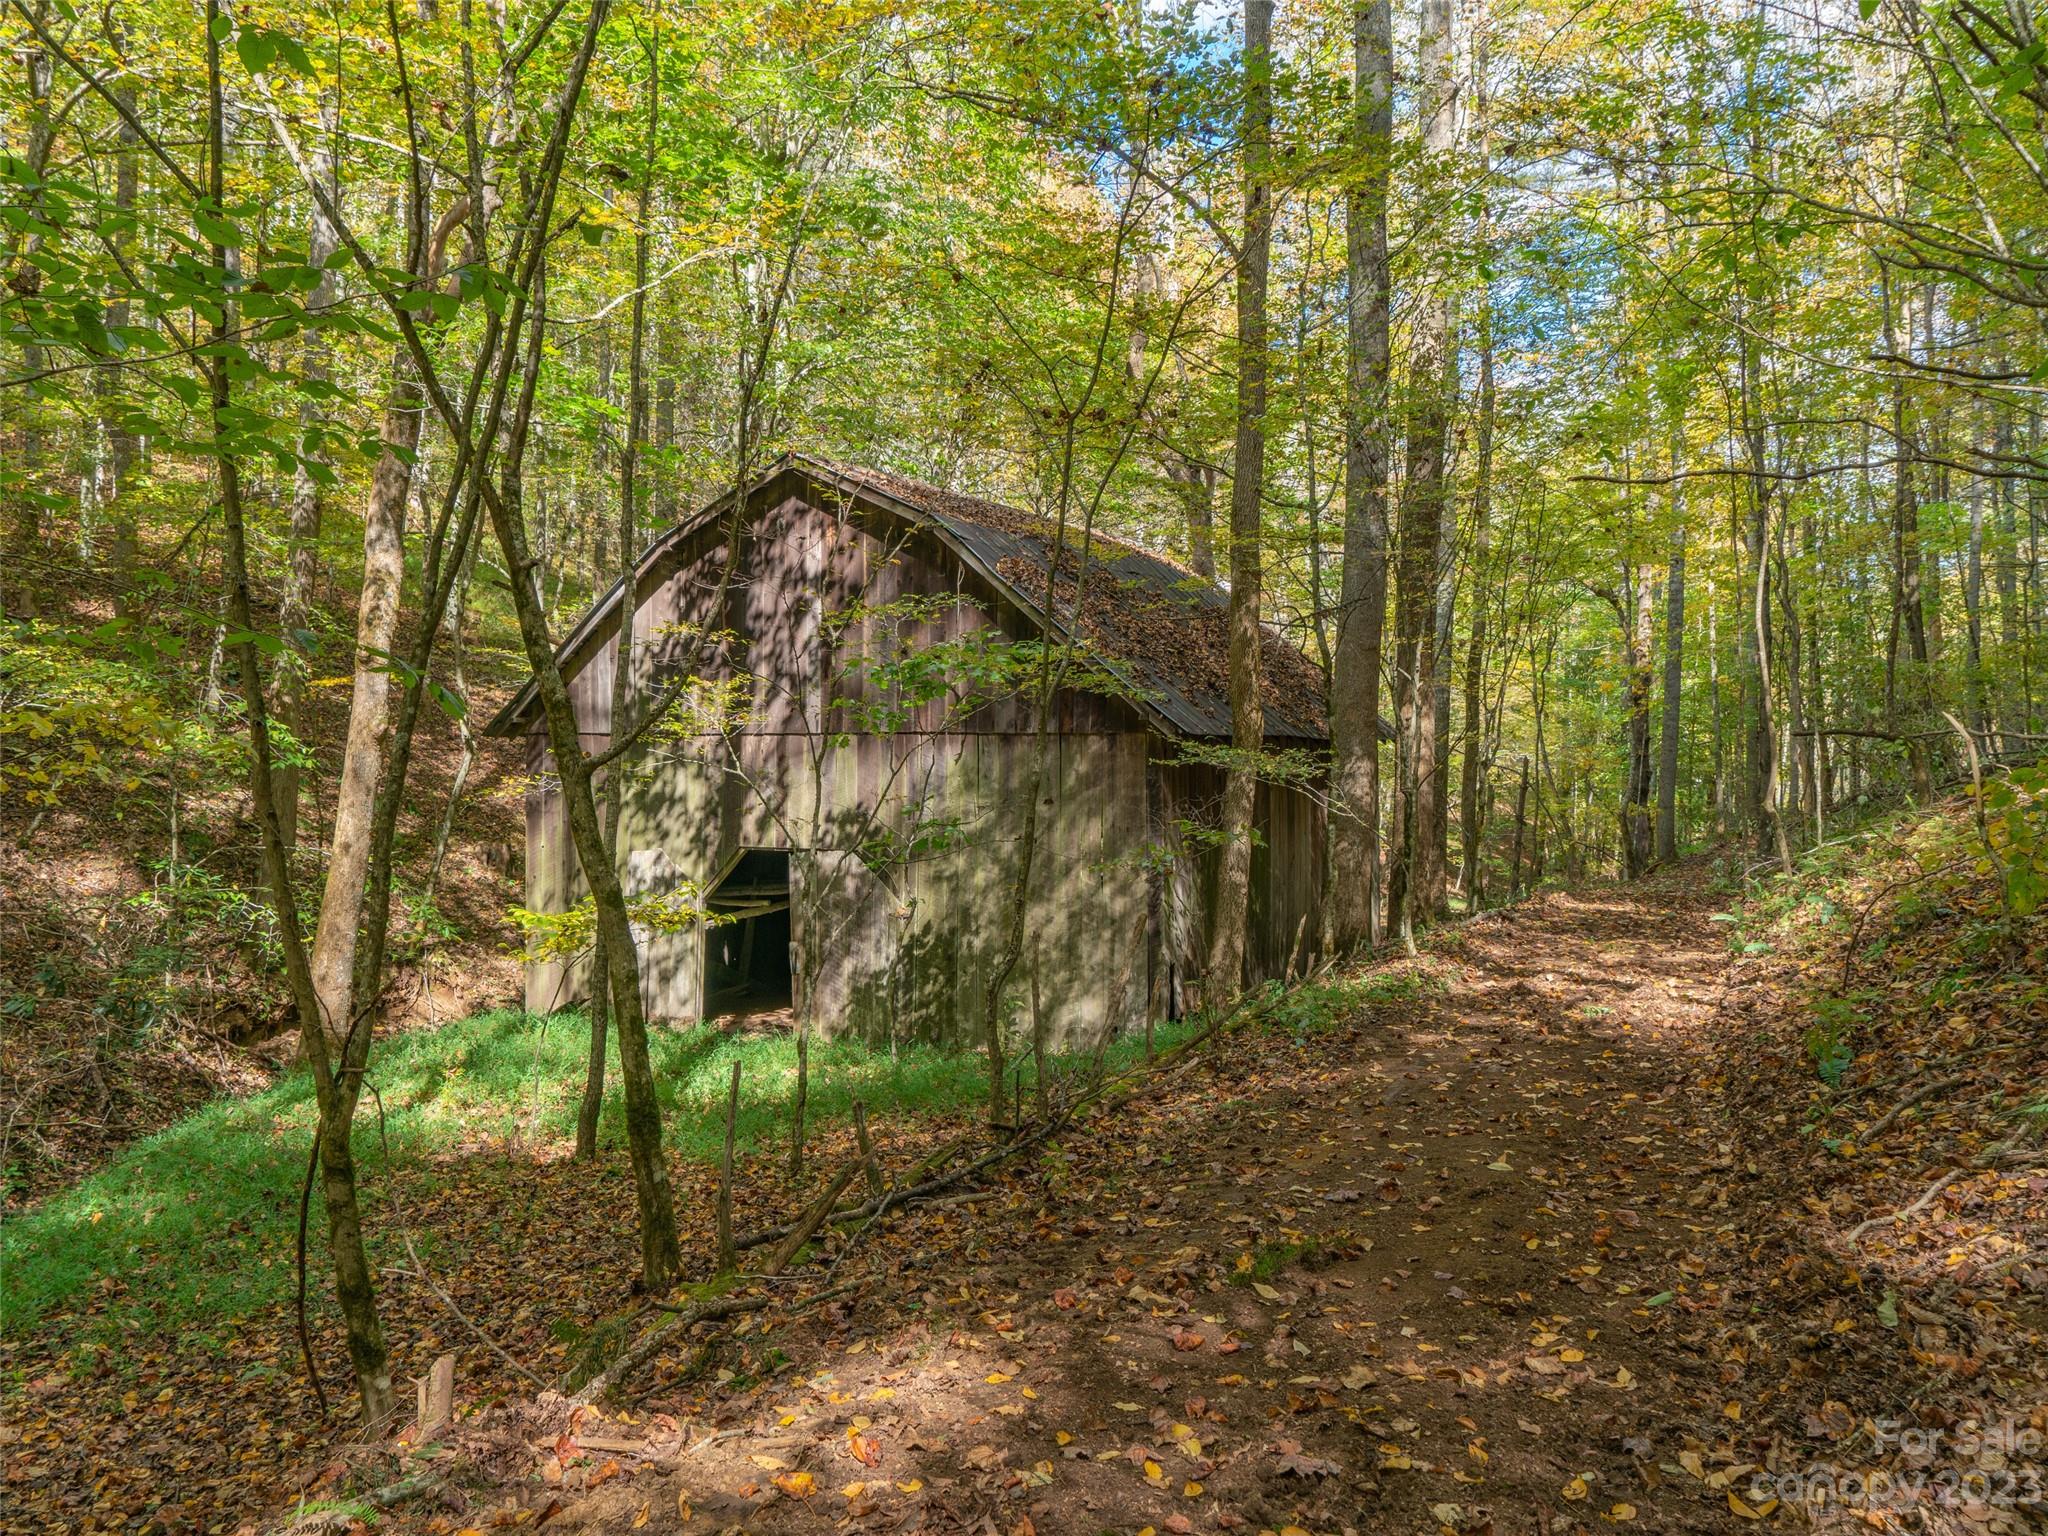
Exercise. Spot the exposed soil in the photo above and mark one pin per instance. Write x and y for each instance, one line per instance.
(1525, 1299)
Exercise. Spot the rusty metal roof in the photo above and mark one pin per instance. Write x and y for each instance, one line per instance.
(1158, 625)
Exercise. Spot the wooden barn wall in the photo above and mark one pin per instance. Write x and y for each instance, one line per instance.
(1288, 867)
(907, 946)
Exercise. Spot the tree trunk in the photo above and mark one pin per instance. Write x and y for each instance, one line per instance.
(622, 713)
(1248, 478)
(1637, 610)
(369, 714)
(1674, 665)
(1471, 778)
(1762, 748)
(354, 1284)
(302, 568)
(1361, 622)
(1432, 368)
(1521, 821)
(122, 444)
(1909, 619)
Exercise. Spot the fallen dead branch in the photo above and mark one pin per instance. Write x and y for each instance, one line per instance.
(651, 1343)
(1927, 1091)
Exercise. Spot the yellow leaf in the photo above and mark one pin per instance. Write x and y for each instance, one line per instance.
(798, 1485)
(768, 1463)
(995, 1378)
(1575, 1489)
(1062, 1437)
(854, 1490)
(1690, 1460)
(1622, 1512)
(1571, 1356)
(1191, 1490)
(1153, 1471)
(910, 1487)
(1743, 1509)
(641, 1518)
(1733, 1410)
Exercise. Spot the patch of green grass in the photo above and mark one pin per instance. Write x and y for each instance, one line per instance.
(1262, 1263)
(192, 1228)
(1320, 1006)
(1268, 1259)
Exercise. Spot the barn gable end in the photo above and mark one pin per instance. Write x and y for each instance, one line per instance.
(900, 832)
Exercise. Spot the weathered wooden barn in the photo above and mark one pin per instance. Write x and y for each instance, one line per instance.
(842, 785)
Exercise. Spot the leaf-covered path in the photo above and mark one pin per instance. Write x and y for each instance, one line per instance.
(1437, 1263)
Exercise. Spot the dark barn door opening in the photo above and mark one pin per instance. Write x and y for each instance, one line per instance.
(746, 956)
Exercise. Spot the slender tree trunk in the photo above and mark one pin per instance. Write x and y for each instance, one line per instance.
(2010, 703)
(302, 567)
(659, 1254)
(1763, 768)
(622, 712)
(1247, 710)
(1674, 663)
(1521, 821)
(1801, 788)
(354, 1283)
(1471, 782)
(1434, 887)
(115, 490)
(1973, 608)
(1361, 623)
(25, 531)
(1909, 619)
(1637, 624)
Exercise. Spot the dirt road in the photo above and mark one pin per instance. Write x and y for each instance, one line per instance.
(1435, 1264)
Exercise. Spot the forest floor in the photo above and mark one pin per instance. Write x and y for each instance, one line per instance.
(1535, 1240)
(1549, 1230)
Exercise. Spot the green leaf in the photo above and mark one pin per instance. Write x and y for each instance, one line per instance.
(256, 49)
(217, 230)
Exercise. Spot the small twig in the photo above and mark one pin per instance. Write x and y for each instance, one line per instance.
(421, 1274)
(1926, 1199)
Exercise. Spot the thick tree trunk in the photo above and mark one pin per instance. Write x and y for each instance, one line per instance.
(1415, 868)
(1361, 622)
(1247, 710)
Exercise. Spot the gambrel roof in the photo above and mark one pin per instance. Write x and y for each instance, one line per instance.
(1160, 627)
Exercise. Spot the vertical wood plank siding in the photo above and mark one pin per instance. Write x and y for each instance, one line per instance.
(905, 944)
